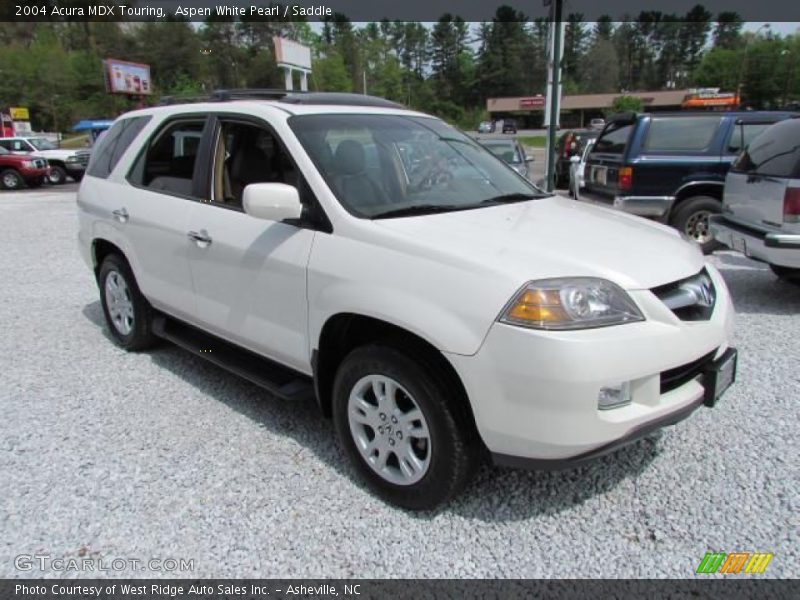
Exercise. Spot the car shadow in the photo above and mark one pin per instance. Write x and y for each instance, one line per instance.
(755, 289)
(529, 493)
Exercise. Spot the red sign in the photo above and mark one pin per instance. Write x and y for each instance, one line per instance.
(535, 102)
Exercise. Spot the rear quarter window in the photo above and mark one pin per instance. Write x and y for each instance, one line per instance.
(110, 148)
(680, 134)
(614, 139)
(773, 153)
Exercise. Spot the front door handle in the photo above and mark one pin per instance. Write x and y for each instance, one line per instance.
(201, 238)
(120, 214)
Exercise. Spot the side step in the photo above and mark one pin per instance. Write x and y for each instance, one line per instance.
(276, 379)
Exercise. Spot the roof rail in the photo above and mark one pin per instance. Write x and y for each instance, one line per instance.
(290, 97)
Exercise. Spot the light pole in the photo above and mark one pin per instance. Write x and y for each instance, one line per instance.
(553, 97)
(789, 76)
(743, 65)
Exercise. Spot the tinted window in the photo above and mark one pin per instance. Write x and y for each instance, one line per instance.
(378, 164)
(681, 134)
(776, 152)
(614, 138)
(168, 163)
(742, 134)
(112, 145)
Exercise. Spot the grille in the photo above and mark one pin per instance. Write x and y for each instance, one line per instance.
(690, 299)
(675, 378)
(83, 157)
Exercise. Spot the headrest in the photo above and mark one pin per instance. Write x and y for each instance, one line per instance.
(349, 157)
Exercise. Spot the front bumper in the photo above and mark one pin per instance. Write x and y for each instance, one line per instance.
(780, 249)
(534, 393)
(34, 175)
(74, 168)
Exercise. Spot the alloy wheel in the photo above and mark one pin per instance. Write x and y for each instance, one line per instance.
(389, 430)
(119, 303)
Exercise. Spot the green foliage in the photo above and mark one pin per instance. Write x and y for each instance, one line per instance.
(625, 104)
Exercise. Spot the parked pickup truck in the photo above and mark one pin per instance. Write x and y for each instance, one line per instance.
(671, 166)
(63, 162)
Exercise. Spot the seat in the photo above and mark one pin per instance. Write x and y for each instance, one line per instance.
(248, 165)
(351, 179)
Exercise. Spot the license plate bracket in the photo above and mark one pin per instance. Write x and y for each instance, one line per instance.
(719, 376)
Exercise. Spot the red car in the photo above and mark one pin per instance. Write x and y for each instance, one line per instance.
(17, 171)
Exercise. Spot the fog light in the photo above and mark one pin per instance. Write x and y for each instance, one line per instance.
(614, 396)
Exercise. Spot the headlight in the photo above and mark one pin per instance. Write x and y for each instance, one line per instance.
(72, 159)
(571, 303)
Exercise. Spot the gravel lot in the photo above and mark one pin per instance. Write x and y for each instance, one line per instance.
(108, 454)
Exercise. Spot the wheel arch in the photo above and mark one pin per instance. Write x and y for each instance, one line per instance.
(697, 188)
(344, 332)
(102, 248)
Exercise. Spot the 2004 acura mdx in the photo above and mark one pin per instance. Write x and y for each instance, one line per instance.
(436, 303)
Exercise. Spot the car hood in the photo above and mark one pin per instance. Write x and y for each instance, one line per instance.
(553, 237)
(56, 154)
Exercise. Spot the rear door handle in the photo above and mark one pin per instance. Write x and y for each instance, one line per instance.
(201, 238)
(120, 214)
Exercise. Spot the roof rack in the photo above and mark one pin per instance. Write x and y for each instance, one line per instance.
(289, 97)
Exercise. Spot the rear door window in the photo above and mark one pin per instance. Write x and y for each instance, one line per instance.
(614, 139)
(774, 153)
(112, 145)
(680, 134)
(168, 163)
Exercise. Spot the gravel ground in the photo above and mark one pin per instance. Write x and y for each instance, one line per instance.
(113, 455)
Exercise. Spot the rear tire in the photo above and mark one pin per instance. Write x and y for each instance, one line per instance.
(387, 406)
(786, 273)
(691, 218)
(128, 314)
(11, 180)
(57, 175)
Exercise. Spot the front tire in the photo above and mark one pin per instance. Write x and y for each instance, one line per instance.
(691, 217)
(399, 424)
(128, 314)
(57, 175)
(11, 180)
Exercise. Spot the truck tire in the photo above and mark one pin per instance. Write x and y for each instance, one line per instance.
(128, 314)
(691, 218)
(57, 175)
(399, 424)
(11, 180)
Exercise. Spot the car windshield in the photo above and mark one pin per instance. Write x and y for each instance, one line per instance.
(42, 144)
(381, 166)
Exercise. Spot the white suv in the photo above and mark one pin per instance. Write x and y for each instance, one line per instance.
(435, 303)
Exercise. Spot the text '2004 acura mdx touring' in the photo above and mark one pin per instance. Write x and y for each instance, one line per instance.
(438, 306)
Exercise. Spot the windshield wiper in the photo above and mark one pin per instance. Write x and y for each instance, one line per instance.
(421, 209)
(509, 198)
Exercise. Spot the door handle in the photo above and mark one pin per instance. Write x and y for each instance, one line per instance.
(753, 179)
(201, 238)
(120, 215)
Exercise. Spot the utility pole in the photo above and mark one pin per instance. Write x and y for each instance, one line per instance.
(554, 89)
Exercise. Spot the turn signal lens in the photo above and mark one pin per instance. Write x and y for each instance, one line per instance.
(791, 205)
(574, 303)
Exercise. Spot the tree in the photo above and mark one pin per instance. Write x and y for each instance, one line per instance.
(625, 104)
(603, 28)
(727, 32)
(600, 68)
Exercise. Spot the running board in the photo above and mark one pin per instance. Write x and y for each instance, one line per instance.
(276, 379)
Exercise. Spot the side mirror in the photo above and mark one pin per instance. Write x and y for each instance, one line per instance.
(272, 201)
(528, 158)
